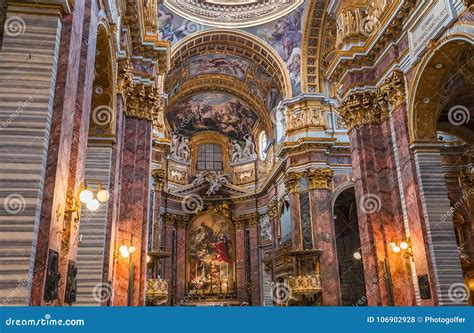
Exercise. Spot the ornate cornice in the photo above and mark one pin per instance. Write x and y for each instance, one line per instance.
(363, 109)
(393, 91)
(292, 180)
(319, 178)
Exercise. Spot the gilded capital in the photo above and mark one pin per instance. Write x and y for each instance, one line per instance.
(363, 109)
(393, 90)
(319, 178)
(273, 208)
(142, 101)
(292, 180)
(158, 179)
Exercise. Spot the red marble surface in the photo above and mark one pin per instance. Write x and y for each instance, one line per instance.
(325, 240)
(414, 206)
(181, 263)
(240, 263)
(375, 173)
(67, 144)
(296, 237)
(254, 264)
(156, 221)
(133, 214)
(168, 263)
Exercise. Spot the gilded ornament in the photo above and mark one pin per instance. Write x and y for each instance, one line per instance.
(319, 178)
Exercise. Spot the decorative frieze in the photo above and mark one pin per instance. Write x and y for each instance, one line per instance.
(305, 118)
(319, 178)
(363, 109)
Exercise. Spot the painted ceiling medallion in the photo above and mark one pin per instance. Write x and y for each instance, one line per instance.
(232, 13)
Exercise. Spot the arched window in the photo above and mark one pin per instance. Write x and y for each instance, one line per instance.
(209, 157)
(263, 145)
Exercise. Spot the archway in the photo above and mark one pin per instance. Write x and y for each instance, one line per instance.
(351, 272)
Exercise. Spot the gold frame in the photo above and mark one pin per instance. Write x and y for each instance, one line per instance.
(188, 238)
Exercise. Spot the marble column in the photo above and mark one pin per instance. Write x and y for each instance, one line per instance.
(255, 274)
(158, 179)
(240, 260)
(168, 243)
(387, 274)
(319, 181)
(133, 214)
(181, 261)
(292, 180)
(412, 204)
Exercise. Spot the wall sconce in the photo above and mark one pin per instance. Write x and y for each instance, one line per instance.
(404, 247)
(357, 254)
(126, 250)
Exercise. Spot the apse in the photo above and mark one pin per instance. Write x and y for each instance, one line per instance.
(213, 111)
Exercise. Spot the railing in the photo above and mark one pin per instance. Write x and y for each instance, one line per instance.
(305, 284)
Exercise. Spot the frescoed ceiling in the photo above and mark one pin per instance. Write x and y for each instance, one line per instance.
(281, 32)
(232, 13)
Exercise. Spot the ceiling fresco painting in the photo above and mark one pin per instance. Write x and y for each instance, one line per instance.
(213, 111)
(218, 64)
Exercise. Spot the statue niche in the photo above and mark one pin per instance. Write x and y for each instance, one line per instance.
(211, 256)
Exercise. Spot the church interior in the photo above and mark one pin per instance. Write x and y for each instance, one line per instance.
(236, 152)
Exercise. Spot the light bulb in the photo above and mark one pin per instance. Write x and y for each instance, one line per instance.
(123, 248)
(357, 255)
(125, 253)
(148, 259)
(396, 249)
(392, 244)
(404, 245)
(103, 195)
(131, 249)
(86, 196)
(93, 205)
